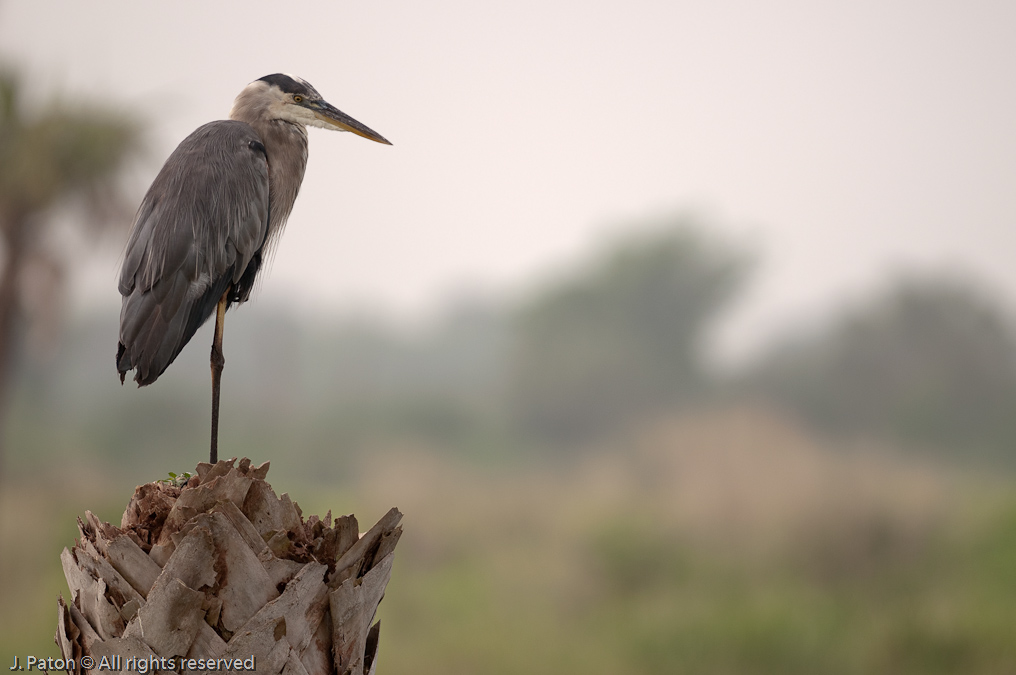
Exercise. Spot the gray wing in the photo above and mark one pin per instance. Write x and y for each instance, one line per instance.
(200, 226)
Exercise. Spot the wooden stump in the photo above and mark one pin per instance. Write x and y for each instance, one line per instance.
(222, 568)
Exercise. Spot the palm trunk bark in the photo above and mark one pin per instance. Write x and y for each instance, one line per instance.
(222, 568)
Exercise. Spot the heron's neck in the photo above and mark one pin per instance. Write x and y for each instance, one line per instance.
(286, 146)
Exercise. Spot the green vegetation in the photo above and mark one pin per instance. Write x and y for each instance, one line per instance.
(931, 361)
(610, 343)
(726, 542)
(582, 494)
(66, 154)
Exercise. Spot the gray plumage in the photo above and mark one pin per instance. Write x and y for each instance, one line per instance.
(212, 215)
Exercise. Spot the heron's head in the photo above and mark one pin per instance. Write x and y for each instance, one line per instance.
(292, 99)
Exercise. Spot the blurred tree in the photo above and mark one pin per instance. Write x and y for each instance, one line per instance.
(932, 361)
(622, 337)
(66, 155)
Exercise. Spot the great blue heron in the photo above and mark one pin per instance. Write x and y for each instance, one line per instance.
(209, 219)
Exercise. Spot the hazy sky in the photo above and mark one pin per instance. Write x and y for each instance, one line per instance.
(844, 140)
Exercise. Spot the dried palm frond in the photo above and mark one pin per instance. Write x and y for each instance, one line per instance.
(221, 567)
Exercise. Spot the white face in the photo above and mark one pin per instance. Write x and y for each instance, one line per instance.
(261, 100)
(287, 107)
(290, 99)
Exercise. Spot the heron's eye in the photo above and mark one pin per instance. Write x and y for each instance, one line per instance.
(298, 99)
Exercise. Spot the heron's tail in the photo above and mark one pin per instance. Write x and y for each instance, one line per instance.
(156, 324)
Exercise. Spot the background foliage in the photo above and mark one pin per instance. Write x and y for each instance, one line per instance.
(584, 493)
